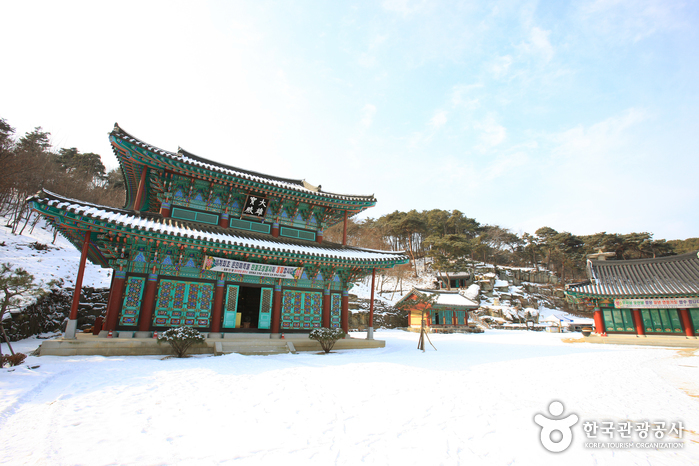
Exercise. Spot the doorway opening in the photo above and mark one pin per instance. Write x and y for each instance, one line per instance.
(249, 306)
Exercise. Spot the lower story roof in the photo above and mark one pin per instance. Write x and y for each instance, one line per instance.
(73, 214)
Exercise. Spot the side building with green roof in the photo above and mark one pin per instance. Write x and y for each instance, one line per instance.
(642, 297)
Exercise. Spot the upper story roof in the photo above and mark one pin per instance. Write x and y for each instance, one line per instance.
(661, 277)
(186, 163)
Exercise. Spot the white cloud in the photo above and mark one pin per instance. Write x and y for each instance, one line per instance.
(634, 20)
(460, 95)
(366, 60)
(504, 165)
(600, 140)
(439, 119)
(491, 133)
(368, 115)
(501, 66)
(538, 44)
(404, 7)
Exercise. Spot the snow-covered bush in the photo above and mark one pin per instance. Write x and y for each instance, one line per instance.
(326, 337)
(181, 338)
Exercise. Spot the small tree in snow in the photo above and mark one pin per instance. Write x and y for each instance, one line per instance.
(15, 284)
(181, 339)
(422, 303)
(326, 337)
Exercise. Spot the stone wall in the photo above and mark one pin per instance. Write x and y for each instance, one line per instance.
(385, 316)
(49, 313)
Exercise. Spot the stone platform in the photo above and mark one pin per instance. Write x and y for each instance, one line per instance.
(674, 341)
(241, 343)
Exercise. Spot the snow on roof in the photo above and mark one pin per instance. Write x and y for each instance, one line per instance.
(445, 298)
(454, 300)
(168, 226)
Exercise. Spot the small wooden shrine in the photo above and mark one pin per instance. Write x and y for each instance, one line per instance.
(214, 247)
(442, 309)
(642, 297)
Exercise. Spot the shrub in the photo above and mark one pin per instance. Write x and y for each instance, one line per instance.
(326, 337)
(181, 338)
(12, 360)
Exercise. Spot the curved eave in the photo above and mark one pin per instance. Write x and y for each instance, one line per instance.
(188, 164)
(76, 237)
(73, 215)
(454, 306)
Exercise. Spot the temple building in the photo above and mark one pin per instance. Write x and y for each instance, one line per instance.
(214, 247)
(443, 310)
(643, 296)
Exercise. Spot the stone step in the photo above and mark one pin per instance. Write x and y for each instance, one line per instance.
(254, 348)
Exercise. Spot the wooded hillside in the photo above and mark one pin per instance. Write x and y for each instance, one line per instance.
(30, 163)
(454, 241)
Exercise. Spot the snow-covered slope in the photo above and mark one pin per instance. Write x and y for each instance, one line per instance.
(35, 252)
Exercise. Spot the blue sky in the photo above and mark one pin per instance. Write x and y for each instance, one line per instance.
(581, 116)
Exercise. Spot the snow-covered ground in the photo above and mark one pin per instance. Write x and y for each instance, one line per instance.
(58, 262)
(471, 402)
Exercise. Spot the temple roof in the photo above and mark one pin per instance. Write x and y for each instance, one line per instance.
(442, 298)
(210, 236)
(177, 160)
(660, 277)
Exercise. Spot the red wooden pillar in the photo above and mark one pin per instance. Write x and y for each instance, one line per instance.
(687, 322)
(370, 330)
(325, 322)
(115, 300)
(165, 209)
(638, 321)
(344, 231)
(109, 299)
(344, 313)
(73, 318)
(218, 306)
(145, 319)
(277, 308)
(141, 189)
(319, 236)
(224, 221)
(275, 230)
(599, 322)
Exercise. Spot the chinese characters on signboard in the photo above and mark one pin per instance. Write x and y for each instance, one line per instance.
(255, 206)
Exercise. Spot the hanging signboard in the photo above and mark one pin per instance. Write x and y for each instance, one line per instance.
(659, 303)
(219, 264)
(255, 206)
